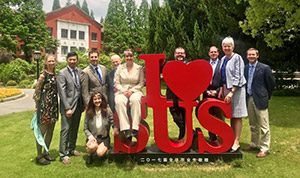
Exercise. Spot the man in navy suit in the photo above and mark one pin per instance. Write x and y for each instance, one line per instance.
(213, 89)
(71, 107)
(260, 85)
(110, 77)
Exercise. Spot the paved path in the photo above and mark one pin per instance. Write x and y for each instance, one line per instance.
(23, 104)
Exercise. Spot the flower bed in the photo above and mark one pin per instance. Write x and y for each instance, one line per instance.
(7, 92)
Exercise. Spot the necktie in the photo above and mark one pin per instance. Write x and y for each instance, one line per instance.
(75, 76)
(250, 79)
(98, 73)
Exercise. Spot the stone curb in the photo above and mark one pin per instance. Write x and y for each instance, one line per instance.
(12, 97)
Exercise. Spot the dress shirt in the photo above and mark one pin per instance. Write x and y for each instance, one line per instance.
(250, 77)
(213, 64)
(99, 124)
(74, 74)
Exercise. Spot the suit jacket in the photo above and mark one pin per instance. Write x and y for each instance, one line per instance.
(69, 92)
(90, 125)
(234, 71)
(91, 83)
(110, 77)
(216, 79)
(134, 82)
(262, 86)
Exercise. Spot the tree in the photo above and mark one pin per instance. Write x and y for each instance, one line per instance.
(27, 22)
(143, 23)
(132, 20)
(68, 3)
(116, 28)
(78, 3)
(277, 21)
(56, 5)
(166, 31)
(92, 14)
(85, 8)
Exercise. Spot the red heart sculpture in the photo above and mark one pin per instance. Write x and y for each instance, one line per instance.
(188, 81)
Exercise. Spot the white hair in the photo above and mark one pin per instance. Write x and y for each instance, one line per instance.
(115, 56)
(228, 40)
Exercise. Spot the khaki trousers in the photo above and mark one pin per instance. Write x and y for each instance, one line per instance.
(135, 110)
(259, 122)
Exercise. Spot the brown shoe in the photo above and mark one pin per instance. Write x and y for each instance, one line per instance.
(66, 160)
(75, 153)
(262, 154)
(250, 148)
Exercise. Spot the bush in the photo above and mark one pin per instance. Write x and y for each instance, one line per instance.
(287, 92)
(25, 84)
(11, 83)
(5, 56)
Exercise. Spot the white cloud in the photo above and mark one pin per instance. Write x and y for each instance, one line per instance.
(99, 7)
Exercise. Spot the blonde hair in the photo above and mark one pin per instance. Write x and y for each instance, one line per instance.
(45, 65)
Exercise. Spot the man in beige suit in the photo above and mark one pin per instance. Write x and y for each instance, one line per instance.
(93, 78)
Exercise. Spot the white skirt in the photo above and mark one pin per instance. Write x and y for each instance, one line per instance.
(238, 102)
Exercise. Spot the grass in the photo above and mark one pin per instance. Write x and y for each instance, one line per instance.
(18, 151)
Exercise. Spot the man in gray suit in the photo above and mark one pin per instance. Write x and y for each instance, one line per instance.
(110, 77)
(260, 85)
(93, 78)
(214, 87)
(69, 90)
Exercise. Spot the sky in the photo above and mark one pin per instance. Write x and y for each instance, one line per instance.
(99, 7)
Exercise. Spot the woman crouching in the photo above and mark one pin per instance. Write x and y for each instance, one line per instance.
(98, 119)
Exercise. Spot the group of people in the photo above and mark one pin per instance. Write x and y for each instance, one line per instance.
(93, 89)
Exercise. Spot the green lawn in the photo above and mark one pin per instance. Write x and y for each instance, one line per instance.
(18, 151)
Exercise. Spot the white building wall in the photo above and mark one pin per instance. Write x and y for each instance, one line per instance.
(70, 42)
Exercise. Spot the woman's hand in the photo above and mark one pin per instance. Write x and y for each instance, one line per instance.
(228, 97)
(127, 93)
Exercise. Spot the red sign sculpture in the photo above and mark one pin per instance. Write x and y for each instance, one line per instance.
(187, 81)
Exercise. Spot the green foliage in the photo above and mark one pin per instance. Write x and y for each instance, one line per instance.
(25, 84)
(56, 5)
(78, 3)
(92, 14)
(68, 3)
(11, 83)
(85, 8)
(25, 20)
(116, 32)
(277, 21)
(5, 56)
(287, 92)
(17, 70)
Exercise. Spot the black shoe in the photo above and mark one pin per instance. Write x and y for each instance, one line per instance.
(49, 158)
(134, 133)
(42, 161)
(89, 159)
(127, 134)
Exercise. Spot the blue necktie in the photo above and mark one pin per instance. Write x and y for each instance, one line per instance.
(98, 73)
(250, 79)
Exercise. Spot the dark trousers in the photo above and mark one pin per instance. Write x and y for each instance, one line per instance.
(68, 133)
(178, 114)
(47, 131)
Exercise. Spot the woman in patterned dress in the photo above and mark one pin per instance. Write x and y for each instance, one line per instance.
(46, 102)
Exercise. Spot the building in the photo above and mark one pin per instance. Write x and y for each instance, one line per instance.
(74, 29)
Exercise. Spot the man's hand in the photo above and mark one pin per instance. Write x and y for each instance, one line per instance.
(69, 113)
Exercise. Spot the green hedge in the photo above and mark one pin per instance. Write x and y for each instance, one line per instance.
(287, 92)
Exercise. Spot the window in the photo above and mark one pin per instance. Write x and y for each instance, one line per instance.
(64, 33)
(94, 36)
(81, 48)
(81, 35)
(73, 34)
(94, 49)
(73, 48)
(50, 29)
(64, 50)
(102, 36)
